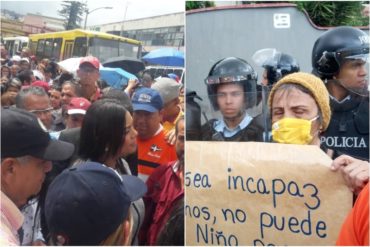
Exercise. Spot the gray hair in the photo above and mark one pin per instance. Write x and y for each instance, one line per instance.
(76, 87)
(25, 92)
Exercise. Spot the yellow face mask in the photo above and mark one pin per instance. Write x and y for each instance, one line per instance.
(292, 131)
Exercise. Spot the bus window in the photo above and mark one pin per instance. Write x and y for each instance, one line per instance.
(80, 47)
(17, 46)
(24, 44)
(57, 45)
(9, 46)
(33, 46)
(127, 50)
(68, 47)
(40, 48)
(103, 48)
(48, 48)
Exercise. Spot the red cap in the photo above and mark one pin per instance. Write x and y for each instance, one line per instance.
(91, 60)
(42, 84)
(78, 105)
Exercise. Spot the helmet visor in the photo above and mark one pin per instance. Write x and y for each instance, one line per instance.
(266, 57)
(353, 54)
(211, 80)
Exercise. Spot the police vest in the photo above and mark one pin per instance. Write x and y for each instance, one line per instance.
(253, 132)
(348, 131)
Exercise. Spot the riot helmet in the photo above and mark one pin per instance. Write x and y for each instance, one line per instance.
(232, 70)
(336, 46)
(277, 64)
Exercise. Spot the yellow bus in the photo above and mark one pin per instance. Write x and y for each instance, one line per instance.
(80, 43)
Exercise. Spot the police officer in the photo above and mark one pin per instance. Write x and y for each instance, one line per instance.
(276, 65)
(339, 58)
(231, 86)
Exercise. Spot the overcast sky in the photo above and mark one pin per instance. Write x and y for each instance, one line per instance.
(135, 9)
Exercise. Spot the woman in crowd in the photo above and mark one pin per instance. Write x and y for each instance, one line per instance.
(107, 137)
(9, 91)
(300, 111)
(5, 72)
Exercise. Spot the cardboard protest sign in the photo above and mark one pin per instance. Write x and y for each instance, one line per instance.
(262, 194)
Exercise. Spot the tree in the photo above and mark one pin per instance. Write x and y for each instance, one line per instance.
(331, 13)
(72, 12)
(198, 4)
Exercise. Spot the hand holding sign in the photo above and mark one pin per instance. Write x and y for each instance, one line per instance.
(262, 193)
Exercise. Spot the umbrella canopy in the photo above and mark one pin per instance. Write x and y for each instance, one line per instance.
(165, 56)
(130, 65)
(116, 77)
(71, 64)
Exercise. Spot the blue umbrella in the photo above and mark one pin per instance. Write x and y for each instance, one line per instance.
(166, 57)
(116, 77)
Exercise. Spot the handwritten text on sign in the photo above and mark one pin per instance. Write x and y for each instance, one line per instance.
(262, 194)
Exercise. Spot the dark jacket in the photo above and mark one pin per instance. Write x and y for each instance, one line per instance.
(253, 132)
(348, 131)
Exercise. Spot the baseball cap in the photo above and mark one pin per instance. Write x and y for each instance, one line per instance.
(168, 88)
(174, 76)
(147, 99)
(22, 133)
(91, 60)
(42, 84)
(78, 105)
(87, 203)
(38, 75)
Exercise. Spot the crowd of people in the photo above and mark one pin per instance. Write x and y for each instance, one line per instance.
(84, 164)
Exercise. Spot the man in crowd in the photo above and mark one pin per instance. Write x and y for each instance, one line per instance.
(153, 150)
(76, 111)
(89, 205)
(166, 184)
(36, 100)
(340, 59)
(25, 64)
(25, 159)
(70, 89)
(88, 72)
(147, 79)
(169, 90)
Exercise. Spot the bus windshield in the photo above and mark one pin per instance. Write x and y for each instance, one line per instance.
(104, 49)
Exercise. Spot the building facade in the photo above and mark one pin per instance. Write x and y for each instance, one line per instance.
(30, 24)
(157, 31)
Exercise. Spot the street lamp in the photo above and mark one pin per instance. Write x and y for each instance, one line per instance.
(89, 12)
(124, 18)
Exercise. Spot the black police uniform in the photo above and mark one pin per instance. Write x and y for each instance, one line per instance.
(348, 131)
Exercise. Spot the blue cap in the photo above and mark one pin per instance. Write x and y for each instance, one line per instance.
(87, 203)
(147, 99)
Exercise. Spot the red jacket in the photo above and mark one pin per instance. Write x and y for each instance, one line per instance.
(355, 229)
(164, 189)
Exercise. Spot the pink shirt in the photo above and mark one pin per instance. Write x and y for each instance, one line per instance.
(11, 221)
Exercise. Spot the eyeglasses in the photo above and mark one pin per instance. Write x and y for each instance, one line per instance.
(40, 112)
